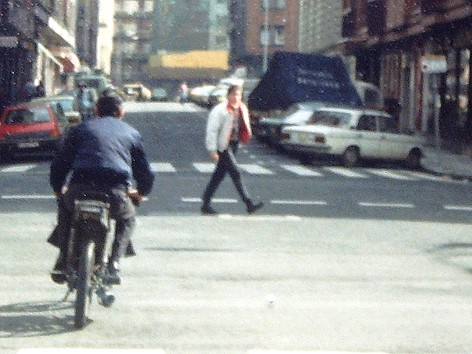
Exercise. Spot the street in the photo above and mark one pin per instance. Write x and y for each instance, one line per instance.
(371, 259)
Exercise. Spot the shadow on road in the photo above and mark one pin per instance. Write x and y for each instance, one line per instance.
(34, 319)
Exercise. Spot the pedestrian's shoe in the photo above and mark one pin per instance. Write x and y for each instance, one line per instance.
(58, 273)
(208, 210)
(252, 208)
(112, 276)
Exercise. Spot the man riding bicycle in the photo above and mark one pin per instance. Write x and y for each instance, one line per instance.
(100, 155)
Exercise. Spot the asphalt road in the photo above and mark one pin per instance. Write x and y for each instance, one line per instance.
(375, 259)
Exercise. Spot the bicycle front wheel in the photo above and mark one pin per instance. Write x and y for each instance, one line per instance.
(83, 288)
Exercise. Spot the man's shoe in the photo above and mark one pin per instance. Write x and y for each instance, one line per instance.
(208, 210)
(57, 274)
(252, 208)
(58, 277)
(112, 276)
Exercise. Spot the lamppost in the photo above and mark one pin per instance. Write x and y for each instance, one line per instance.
(265, 43)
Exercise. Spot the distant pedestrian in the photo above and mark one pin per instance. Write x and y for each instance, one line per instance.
(84, 101)
(183, 92)
(28, 92)
(40, 90)
(227, 126)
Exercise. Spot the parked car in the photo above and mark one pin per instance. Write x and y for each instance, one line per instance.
(136, 92)
(63, 106)
(268, 129)
(30, 127)
(353, 134)
(159, 94)
(199, 94)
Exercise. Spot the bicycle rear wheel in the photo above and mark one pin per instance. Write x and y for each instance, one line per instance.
(83, 288)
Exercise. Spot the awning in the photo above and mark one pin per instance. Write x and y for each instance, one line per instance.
(68, 58)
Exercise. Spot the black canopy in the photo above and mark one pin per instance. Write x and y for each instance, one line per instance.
(297, 77)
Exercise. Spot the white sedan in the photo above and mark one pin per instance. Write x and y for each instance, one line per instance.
(353, 134)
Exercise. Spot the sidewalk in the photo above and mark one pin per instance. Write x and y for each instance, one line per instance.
(444, 162)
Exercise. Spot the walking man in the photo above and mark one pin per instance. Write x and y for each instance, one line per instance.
(228, 124)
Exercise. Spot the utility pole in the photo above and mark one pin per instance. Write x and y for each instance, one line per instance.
(265, 44)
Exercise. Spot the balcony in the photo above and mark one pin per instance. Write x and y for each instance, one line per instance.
(349, 23)
(430, 6)
(375, 17)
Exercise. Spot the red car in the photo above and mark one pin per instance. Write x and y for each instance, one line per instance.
(30, 128)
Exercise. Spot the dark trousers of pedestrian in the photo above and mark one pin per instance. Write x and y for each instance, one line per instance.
(227, 164)
(122, 211)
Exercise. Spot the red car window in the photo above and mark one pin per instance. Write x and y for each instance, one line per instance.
(28, 116)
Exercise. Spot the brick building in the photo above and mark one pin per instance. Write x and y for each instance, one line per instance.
(390, 39)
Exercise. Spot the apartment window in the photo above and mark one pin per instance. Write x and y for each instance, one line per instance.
(273, 4)
(149, 6)
(130, 6)
(279, 35)
(265, 35)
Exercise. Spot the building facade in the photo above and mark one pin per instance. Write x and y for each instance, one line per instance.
(319, 25)
(132, 40)
(259, 28)
(391, 41)
(34, 37)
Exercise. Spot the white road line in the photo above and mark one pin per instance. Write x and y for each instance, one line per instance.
(162, 167)
(266, 351)
(426, 176)
(18, 168)
(389, 174)
(458, 207)
(214, 200)
(204, 167)
(88, 351)
(301, 171)
(386, 205)
(255, 169)
(346, 172)
(26, 196)
(299, 202)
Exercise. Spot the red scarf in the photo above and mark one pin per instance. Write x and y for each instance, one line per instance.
(243, 115)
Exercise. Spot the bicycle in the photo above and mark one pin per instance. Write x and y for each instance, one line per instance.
(87, 255)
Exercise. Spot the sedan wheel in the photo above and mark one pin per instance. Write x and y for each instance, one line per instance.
(351, 157)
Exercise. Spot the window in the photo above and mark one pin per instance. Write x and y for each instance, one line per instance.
(28, 116)
(333, 119)
(279, 35)
(387, 125)
(273, 4)
(367, 123)
(265, 35)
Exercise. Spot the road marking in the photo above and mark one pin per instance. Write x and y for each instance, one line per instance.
(162, 167)
(298, 202)
(346, 172)
(204, 167)
(426, 176)
(255, 169)
(26, 196)
(386, 205)
(18, 168)
(389, 174)
(214, 200)
(265, 351)
(458, 207)
(301, 171)
(88, 351)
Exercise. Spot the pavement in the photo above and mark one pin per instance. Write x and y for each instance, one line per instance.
(445, 161)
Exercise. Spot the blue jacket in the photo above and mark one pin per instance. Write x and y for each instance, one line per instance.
(105, 152)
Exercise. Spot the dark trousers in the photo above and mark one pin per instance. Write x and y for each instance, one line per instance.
(226, 164)
(122, 211)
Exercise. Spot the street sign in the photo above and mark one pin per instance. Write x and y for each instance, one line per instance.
(434, 64)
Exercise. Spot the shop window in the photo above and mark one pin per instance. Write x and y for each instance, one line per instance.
(279, 35)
